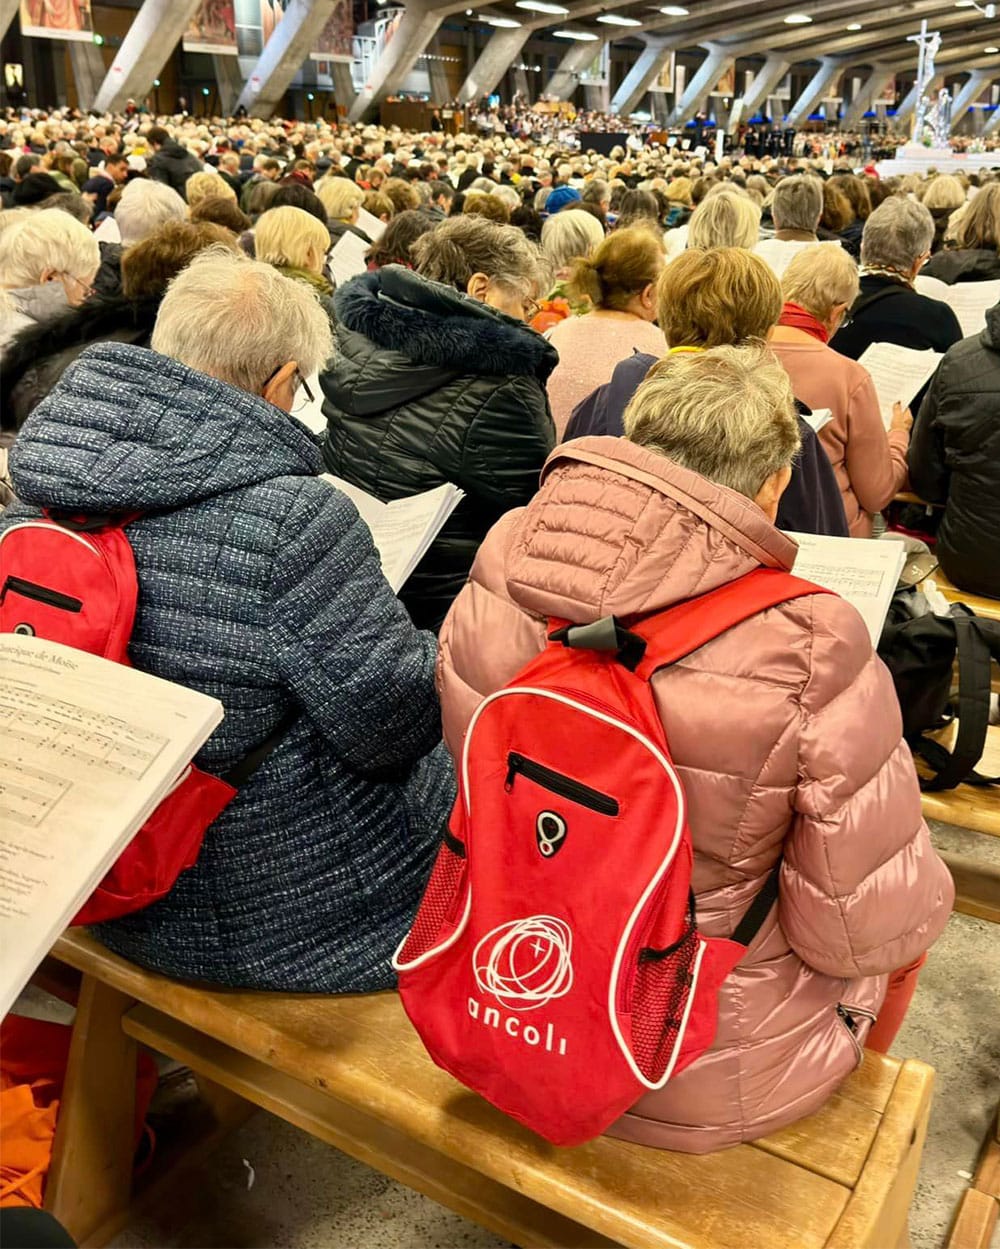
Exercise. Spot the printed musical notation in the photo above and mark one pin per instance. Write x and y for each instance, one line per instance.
(39, 731)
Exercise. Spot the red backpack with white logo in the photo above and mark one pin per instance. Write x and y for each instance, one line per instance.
(74, 581)
(554, 965)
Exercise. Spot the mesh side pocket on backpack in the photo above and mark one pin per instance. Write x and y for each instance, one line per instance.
(439, 904)
(663, 983)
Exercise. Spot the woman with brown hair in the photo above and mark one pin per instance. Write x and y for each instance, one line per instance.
(976, 254)
(619, 279)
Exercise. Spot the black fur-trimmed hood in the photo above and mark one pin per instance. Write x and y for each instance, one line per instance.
(434, 325)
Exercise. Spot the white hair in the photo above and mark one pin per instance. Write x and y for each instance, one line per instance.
(240, 320)
(727, 218)
(897, 233)
(726, 413)
(48, 239)
(820, 277)
(144, 207)
(568, 235)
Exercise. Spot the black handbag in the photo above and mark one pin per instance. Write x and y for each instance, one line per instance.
(919, 650)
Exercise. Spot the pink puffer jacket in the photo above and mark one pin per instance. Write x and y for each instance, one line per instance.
(786, 734)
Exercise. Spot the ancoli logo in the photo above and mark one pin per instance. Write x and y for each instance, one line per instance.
(525, 963)
(490, 1017)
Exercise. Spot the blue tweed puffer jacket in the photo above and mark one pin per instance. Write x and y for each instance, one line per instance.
(258, 584)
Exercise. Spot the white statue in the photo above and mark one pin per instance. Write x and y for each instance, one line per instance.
(929, 45)
(942, 119)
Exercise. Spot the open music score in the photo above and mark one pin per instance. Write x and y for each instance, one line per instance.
(864, 571)
(90, 748)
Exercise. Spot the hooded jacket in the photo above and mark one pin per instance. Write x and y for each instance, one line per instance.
(429, 386)
(967, 264)
(811, 504)
(786, 735)
(954, 458)
(259, 585)
(173, 165)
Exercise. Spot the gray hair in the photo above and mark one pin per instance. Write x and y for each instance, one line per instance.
(798, 203)
(568, 235)
(47, 239)
(240, 320)
(897, 233)
(726, 413)
(596, 191)
(821, 277)
(144, 207)
(463, 246)
(726, 218)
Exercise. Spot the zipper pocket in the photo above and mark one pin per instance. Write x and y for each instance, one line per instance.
(559, 784)
(41, 594)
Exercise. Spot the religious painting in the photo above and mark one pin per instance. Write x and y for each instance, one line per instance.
(665, 78)
(888, 95)
(57, 19)
(726, 85)
(271, 13)
(212, 28)
(336, 39)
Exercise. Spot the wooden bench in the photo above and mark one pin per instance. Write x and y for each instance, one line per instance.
(970, 806)
(351, 1071)
(988, 608)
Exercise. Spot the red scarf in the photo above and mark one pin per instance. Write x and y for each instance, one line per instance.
(797, 318)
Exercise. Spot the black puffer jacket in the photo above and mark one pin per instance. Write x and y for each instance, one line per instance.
(967, 264)
(37, 358)
(173, 165)
(955, 458)
(430, 386)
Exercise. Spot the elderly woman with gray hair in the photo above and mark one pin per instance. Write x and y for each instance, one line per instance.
(819, 286)
(895, 245)
(258, 584)
(811, 773)
(437, 378)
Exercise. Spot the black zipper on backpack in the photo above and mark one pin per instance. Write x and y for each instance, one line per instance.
(565, 786)
(40, 593)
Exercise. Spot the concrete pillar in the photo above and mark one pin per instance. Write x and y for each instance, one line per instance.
(636, 82)
(88, 70)
(814, 91)
(715, 64)
(993, 123)
(969, 93)
(283, 54)
(765, 80)
(229, 81)
(867, 94)
(416, 29)
(440, 89)
(155, 32)
(8, 11)
(502, 47)
(566, 78)
(343, 86)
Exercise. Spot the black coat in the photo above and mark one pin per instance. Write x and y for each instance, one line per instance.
(967, 264)
(173, 165)
(902, 317)
(811, 504)
(39, 355)
(955, 459)
(429, 386)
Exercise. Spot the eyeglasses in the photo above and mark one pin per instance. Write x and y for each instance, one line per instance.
(87, 289)
(531, 308)
(305, 399)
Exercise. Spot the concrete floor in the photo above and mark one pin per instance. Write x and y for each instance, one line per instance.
(306, 1195)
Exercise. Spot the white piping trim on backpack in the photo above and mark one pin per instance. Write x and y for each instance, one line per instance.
(47, 524)
(633, 918)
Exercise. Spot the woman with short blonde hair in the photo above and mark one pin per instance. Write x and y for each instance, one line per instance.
(205, 185)
(341, 199)
(724, 218)
(295, 243)
(944, 196)
(976, 254)
(709, 298)
(819, 286)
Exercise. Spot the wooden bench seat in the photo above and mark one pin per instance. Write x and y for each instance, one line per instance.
(969, 806)
(988, 608)
(351, 1071)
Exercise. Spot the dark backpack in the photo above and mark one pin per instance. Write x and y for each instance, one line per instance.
(920, 650)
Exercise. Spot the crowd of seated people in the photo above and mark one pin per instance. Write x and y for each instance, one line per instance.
(618, 360)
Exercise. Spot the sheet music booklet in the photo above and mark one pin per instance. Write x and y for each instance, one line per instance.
(864, 571)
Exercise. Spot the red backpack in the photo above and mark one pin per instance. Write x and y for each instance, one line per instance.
(74, 581)
(554, 965)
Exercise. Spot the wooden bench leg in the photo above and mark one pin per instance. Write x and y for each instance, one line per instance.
(91, 1174)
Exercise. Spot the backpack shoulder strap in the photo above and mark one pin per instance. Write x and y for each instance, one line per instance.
(681, 630)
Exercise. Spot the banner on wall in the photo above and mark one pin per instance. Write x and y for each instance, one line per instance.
(336, 39)
(726, 85)
(212, 28)
(888, 95)
(665, 78)
(57, 19)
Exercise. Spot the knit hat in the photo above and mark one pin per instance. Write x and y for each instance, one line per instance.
(560, 197)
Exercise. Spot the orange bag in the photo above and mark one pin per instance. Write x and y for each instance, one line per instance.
(33, 1057)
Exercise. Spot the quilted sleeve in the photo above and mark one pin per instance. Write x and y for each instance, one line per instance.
(929, 472)
(862, 890)
(507, 443)
(345, 647)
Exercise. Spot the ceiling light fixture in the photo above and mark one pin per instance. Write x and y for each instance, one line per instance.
(675, 10)
(853, 26)
(612, 19)
(541, 6)
(502, 23)
(798, 19)
(991, 50)
(582, 36)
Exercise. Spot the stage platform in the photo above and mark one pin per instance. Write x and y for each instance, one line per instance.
(914, 158)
